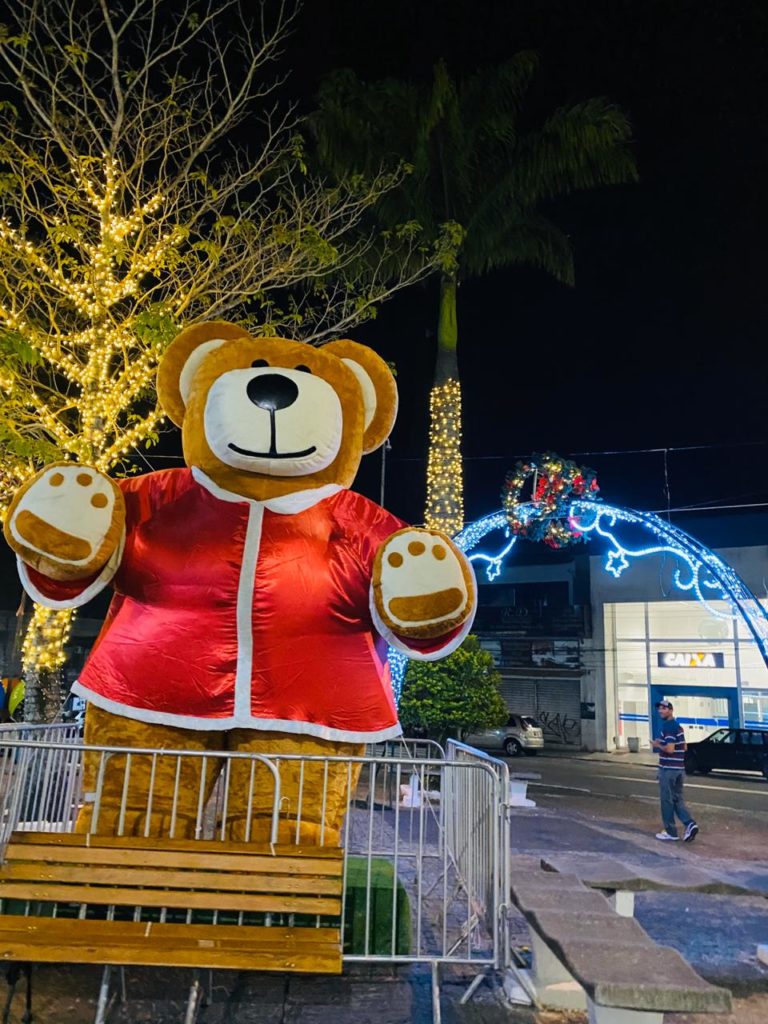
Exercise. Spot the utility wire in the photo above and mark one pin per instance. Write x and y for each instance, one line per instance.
(709, 508)
(615, 451)
(715, 505)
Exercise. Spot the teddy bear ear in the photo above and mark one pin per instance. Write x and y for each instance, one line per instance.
(377, 384)
(182, 358)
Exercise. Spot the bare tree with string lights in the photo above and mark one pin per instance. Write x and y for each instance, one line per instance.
(149, 178)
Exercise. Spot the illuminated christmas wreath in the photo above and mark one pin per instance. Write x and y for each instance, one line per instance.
(543, 514)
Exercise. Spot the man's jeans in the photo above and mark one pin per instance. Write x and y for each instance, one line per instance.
(672, 800)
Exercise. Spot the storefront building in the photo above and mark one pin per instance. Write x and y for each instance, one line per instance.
(589, 654)
(651, 641)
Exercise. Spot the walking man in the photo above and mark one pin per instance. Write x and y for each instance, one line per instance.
(671, 746)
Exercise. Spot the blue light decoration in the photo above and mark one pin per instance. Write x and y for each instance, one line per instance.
(700, 571)
(398, 666)
(471, 536)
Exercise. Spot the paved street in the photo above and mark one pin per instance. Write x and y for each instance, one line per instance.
(731, 809)
(625, 780)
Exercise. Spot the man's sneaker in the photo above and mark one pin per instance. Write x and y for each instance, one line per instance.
(690, 832)
(667, 838)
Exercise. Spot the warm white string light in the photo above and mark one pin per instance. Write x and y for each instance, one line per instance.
(102, 364)
(445, 488)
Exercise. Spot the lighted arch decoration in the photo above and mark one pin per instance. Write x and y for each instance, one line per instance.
(630, 535)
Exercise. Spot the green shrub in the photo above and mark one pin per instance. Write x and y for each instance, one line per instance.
(458, 694)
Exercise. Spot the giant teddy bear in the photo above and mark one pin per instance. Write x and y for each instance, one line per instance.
(252, 589)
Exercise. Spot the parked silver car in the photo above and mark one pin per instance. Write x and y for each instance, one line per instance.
(521, 735)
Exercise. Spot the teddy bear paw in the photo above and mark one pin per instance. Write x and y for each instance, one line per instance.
(67, 520)
(423, 585)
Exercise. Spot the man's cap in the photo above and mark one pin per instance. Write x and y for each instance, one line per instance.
(663, 704)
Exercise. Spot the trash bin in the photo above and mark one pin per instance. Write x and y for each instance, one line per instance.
(633, 744)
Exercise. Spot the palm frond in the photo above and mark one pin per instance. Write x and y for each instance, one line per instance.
(530, 240)
(441, 102)
(470, 162)
(492, 98)
(359, 127)
(578, 147)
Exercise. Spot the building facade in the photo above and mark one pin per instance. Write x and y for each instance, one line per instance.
(649, 646)
(589, 654)
(535, 619)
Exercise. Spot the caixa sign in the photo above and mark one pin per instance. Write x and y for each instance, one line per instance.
(691, 659)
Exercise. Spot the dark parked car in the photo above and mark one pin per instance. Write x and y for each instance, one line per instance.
(744, 750)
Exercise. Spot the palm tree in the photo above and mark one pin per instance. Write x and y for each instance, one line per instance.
(480, 176)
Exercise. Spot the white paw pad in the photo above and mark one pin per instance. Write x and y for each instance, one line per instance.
(421, 581)
(66, 514)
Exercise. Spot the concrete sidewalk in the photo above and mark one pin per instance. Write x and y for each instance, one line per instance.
(717, 934)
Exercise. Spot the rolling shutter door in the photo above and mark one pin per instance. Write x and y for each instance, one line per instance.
(558, 709)
(519, 694)
(559, 696)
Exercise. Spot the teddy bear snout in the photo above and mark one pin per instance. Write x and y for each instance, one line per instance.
(272, 391)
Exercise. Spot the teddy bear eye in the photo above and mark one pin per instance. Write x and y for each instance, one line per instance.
(259, 362)
(302, 368)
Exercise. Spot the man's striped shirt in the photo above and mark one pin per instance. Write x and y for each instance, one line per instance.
(672, 732)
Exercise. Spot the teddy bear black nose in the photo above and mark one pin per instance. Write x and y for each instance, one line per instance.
(272, 391)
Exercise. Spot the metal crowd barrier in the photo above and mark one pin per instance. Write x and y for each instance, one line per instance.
(54, 732)
(39, 776)
(425, 838)
(477, 830)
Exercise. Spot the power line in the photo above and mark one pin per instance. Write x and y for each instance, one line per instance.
(679, 448)
(709, 508)
(713, 505)
(616, 451)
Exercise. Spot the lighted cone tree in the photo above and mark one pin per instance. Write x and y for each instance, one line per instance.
(130, 203)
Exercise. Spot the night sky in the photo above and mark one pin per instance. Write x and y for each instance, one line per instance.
(660, 345)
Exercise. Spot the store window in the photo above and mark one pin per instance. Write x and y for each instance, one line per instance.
(687, 620)
(630, 620)
(755, 705)
(754, 673)
(632, 663)
(700, 661)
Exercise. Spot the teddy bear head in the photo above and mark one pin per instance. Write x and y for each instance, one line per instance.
(265, 417)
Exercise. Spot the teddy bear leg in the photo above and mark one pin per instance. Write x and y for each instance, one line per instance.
(314, 795)
(161, 795)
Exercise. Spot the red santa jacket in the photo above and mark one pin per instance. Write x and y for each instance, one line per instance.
(234, 613)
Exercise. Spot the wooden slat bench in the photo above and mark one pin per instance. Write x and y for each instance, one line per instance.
(100, 879)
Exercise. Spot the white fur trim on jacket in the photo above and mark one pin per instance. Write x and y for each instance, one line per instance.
(94, 588)
(288, 504)
(401, 643)
(323, 732)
